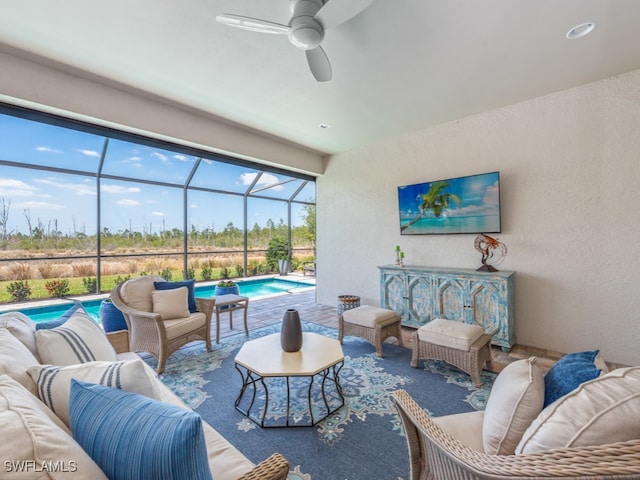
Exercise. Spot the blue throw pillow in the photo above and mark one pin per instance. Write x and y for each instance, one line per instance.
(62, 318)
(190, 284)
(568, 373)
(133, 437)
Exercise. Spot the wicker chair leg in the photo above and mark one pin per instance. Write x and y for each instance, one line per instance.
(415, 347)
(377, 341)
(162, 360)
(398, 334)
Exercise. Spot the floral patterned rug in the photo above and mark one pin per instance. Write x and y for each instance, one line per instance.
(363, 439)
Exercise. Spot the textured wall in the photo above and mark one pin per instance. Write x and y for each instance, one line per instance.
(570, 191)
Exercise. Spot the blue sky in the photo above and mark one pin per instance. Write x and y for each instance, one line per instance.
(71, 199)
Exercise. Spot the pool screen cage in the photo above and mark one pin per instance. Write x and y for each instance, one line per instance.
(91, 202)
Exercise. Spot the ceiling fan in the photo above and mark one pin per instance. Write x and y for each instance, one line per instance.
(309, 20)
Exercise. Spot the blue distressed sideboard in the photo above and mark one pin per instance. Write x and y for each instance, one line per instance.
(419, 294)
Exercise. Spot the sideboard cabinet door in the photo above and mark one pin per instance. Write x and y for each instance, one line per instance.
(420, 294)
(393, 288)
(419, 300)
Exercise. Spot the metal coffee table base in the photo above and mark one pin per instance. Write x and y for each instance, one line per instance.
(330, 377)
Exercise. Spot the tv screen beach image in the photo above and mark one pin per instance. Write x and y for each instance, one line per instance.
(459, 205)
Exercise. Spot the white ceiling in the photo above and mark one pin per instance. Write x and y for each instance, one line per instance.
(399, 66)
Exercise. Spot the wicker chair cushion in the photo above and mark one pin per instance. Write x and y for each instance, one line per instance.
(514, 402)
(602, 411)
(32, 433)
(466, 427)
(368, 316)
(15, 359)
(180, 326)
(172, 303)
(78, 340)
(54, 383)
(136, 293)
(447, 333)
(22, 327)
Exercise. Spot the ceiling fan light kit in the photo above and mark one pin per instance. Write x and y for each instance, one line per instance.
(309, 20)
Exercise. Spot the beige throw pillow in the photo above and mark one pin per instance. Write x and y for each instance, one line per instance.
(54, 382)
(171, 303)
(32, 435)
(15, 359)
(22, 327)
(78, 340)
(601, 411)
(515, 400)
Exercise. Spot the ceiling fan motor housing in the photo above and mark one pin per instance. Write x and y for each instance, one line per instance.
(305, 32)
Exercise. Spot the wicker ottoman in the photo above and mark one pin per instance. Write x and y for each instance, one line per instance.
(457, 343)
(371, 323)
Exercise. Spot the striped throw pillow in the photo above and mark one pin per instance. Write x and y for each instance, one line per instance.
(132, 437)
(78, 340)
(54, 382)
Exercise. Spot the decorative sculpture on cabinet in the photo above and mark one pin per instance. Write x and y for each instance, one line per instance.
(493, 252)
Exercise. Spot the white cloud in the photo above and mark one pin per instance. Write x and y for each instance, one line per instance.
(88, 153)
(110, 188)
(78, 188)
(265, 180)
(160, 156)
(10, 187)
(40, 205)
(182, 158)
(157, 214)
(127, 202)
(492, 195)
(48, 149)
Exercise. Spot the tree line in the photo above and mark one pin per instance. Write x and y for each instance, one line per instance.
(43, 235)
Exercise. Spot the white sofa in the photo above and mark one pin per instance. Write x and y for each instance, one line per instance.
(593, 431)
(38, 444)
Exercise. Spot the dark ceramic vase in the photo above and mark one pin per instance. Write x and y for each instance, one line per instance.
(291, 331)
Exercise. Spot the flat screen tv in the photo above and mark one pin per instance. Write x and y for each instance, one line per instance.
(457, 205)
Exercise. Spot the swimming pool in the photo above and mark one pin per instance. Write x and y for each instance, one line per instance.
(249, 288)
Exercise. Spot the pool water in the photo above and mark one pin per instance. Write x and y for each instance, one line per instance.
(258, 288)
(248, 288)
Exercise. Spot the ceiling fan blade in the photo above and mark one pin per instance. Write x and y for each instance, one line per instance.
(252, 24)
(335, 12)
(319, 64)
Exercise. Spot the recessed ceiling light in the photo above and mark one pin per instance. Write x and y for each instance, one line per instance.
(581, 30)
(324, 125)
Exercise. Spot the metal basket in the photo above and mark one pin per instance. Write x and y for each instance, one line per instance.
(347, 302)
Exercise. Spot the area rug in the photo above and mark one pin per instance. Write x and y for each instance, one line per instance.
(364, 439)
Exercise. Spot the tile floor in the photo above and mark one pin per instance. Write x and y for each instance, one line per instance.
(270, 310)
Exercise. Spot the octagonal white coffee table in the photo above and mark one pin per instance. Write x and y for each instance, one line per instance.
(318, 361)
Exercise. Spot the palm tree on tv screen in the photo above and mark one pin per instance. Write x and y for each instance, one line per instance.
(436, 199)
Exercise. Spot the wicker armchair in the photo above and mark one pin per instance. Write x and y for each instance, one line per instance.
(276, 467)
(435, 454)
(148, 331)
